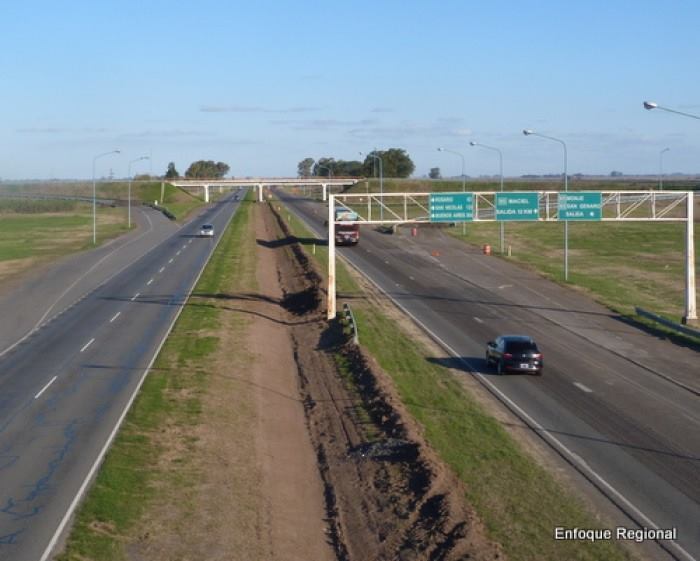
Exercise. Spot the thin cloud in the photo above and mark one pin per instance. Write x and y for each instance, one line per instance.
(254, 109)
(321, 124)
(60, 130)
(382, 110)
(442, 128)
(169, 133)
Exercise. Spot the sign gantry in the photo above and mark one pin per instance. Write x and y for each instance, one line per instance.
(522, 206)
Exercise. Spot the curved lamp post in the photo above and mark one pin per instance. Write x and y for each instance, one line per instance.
(500, 171)
(94, 194)
(653, 105)
(130, 180)
(529, 132)
(464, 178)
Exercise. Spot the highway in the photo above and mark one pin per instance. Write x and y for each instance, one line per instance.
(618, 404)
(65, 388)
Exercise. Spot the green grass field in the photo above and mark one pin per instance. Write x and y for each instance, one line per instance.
(29, 234)
(518, 500)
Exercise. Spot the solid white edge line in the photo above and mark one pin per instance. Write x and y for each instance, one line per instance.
(46, 387)
(90, 342)
(572, 457)
(115, 317)
(583, 388)
(110, 438)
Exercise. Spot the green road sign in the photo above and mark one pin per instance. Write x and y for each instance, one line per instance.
(581, 205)
(451, 207)
(517, 206)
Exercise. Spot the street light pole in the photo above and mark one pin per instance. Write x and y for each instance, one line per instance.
(381, 184)
(649, 105)
(130, 179)
(94, 194)
(528, 132)
(464, 179)
(661, 168)
(500, 171)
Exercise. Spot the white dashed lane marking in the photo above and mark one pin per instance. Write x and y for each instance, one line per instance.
(135, 296)
(46, 387)
(149, 282)
(161, 269)
(479, 320)
(170, 260)
(90, 342)
(178, 252)
(583, 388)
(115, 317)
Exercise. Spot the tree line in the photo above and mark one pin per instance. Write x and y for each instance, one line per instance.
(395, 162)
(201, 169)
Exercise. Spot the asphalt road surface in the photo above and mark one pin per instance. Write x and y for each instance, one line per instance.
(617, 403)
(65, 388)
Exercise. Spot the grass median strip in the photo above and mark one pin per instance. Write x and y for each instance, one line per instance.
(153, 465)
(518, 499)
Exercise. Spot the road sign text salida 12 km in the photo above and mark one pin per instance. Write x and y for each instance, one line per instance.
(451, 207)
(517, 206)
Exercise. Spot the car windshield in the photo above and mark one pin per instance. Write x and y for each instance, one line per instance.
(207, 227)
(520, 346)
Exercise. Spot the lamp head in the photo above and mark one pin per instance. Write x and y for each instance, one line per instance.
(527, 132)
(665, 150)
(440, 149)
(472, 143)
(650, 105)
(117, 151)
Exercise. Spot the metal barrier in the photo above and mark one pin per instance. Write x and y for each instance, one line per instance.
(668, 323)
(349, 317)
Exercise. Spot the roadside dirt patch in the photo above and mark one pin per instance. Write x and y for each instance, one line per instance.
(387, 494)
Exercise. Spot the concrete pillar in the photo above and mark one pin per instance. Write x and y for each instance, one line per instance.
(206, 193)
(260, 192)
(325, 192)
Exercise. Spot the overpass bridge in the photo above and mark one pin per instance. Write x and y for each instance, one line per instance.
(260, 182)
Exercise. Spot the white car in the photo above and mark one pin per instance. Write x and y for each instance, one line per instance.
(206, 231)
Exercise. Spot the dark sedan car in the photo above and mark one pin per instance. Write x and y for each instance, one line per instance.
(518, 353)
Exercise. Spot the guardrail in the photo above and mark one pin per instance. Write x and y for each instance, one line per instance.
(668, 323)
(349, 317)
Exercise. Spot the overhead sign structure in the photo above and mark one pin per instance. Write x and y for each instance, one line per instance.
(451, 207)
(517, 206)
(581, 205)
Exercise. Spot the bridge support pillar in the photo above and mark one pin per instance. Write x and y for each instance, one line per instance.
(260, 192)
(325, 192)
(206, 193)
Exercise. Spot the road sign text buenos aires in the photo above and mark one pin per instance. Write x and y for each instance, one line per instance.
(451, 207)
(583, 205)
(517, 206)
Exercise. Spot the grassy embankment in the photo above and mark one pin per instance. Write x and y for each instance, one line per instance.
(176, 200)
(621, 265)
(33, 232)
(153, 462)
(518, 500)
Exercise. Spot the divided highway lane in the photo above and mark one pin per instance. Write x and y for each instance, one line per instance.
(634, 434)
(65, 389)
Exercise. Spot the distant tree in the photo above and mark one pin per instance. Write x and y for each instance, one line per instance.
(616, 174)
(395, 162)
(322, 166)
(142, 177)
(207, 169)
(435, 173)
(349, 168)
(172, 172)
(304, 167)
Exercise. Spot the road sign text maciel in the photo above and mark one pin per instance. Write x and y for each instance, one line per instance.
(451, 207)
(517, 206)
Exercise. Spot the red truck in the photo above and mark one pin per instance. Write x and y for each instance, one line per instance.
(346, 234)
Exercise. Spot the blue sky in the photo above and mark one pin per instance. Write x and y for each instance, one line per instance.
(262, 85)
